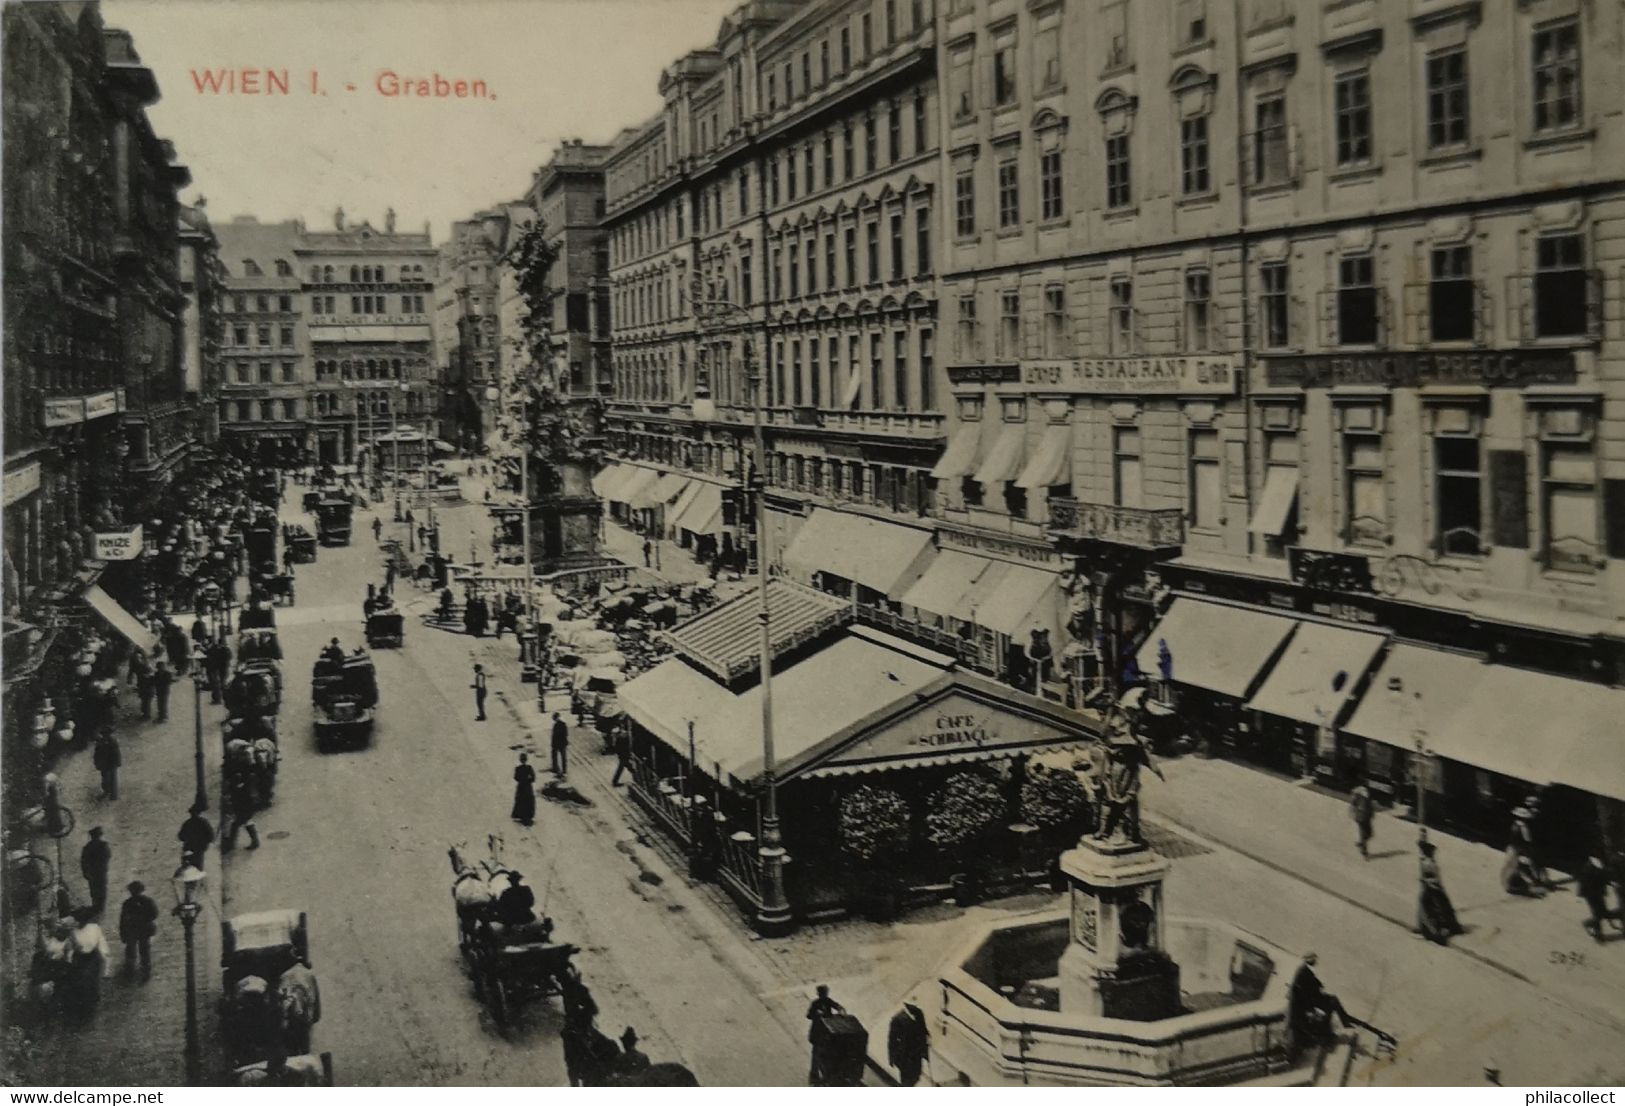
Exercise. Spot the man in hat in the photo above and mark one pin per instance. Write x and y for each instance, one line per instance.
(218, 660)
(478, 687)
(94, 861)
(195, 836)
(162, 678)
(632, 1059)
(517, 903)
(907, 1043)
(141, 677)
(107, 757)
(1362, 809)
(137, 923)
(560, 747)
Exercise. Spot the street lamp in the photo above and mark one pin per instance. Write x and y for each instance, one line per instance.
(395, 432)
(1396, 686)
(188, 883)
(773, 915)
(200, 801)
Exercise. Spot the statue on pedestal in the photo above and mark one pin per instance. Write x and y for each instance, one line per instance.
(1118, 790)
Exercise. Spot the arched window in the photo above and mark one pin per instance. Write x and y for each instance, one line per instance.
(396, 365)
(327, 274)
(355, 274)
(251, 267)
(283, 268)
(315, 274)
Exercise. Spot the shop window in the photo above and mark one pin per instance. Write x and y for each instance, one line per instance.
(1128, 478)
(1358, 315)
(1352, 97)
(1556, 57)
(1458, 485)
(1009, 338)
(1569, 494)
(1447, 119)
(1206, 489)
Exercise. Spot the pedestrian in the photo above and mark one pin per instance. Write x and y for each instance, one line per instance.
(107, 758)
(377, 528)
(479, 692)
(1591, 881)
(195, 836)
(821, 1007)
(240, 809)
(632, 1058)
(1361, 810)
(907, 1043)
(162, 678)
(94, 860)
(219, 663)
(1519, 875)
(389, 574)
(647, 549)
(1435, 915)
(144, 688)
(524, 793)
(200, 630)
(287, 559)
(623, 754)
(137, 923)
(561, 747)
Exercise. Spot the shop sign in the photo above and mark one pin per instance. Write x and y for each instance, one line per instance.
(1205, 374)
(119, 545)
(984, 374)
(21, 482)
(64, 412)
(101, 405)
(1323, 570)
(953, 731)
(1501, 368)
(1344, 612)
(1000, 545)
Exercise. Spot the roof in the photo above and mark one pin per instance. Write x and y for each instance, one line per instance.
(882, 556)
(263, 243)
(724, 640)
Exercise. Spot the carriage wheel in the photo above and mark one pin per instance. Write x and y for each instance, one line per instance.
(497, 993)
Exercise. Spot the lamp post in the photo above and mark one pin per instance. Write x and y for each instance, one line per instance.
(200, 799)
(1396, 686)
(773, 916)
(188, 887)
(395, 432)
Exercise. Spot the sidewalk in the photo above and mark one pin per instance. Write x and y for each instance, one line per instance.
(1306, 833)
(136, 1036)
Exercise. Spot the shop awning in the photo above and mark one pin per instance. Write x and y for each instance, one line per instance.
(959, 459)
(1595, 760)
(1516, 723)
(1051, 462)
(610, 479)
(1024, 599)
(1301, 685)
(943, 587)
(640, 481)
(1275, 502)
(640, 493)
(1004, 459)
(703, 515)
(669, 487)
(854, 388)
(1214, 647)
(879, 555)
(125, 624)
(1433, 686)
(681, 503)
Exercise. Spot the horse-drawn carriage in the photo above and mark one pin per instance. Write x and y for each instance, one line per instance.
(310, 501)
(301, 541)
(255, 689)
(344, 693)
(271, 1000)
(333, 512)
(251, 750)
(386, 629)
(277, 587)
(509, 961)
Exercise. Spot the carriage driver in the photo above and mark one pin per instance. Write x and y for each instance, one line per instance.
(517, 903)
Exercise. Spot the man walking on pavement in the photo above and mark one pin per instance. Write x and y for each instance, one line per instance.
(195, 836)
(1591, 881)
(219, 663)
(623, 755)
(94, 860)
(377, 528)
(107, 758)
(561, 747)
(908, 1040)
(240, 812)
(647, 548)
(1360, 809)
(162, 677)
(137, 922)
(141, 676)
(479, 692)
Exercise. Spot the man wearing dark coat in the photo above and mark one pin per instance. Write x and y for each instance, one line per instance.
(524, 794)
(162, 678)
(94, 861)
(907, 1043)
(137, 923)
(195, 836)
(560, 747)
(107, 757)
(1591, 882)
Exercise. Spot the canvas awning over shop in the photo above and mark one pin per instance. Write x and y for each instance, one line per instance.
(1301, 684)
(944, 585)
(1215, 647)
(1275, 502)
(610, 479)
(703, 514)
(639, 481)
(1004, 459)
(894, 710)
(680, 504)
(879, 555)
(125, 624)
(1595, 759)
(640, 494)
(1025, 599)
(959, 459)
(1051, 461)
(1433, 686)
(669, 487)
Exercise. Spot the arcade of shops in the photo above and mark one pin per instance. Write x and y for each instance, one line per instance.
(701, 514)
(906, 720)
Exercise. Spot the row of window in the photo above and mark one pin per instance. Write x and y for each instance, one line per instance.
(887, 133)
(1559, 300)
(809, 264)
(262, 304)
(834, 53)
(873, 371)
(894, 487)
(327, 274)
(243, 335)
(265, 410)
(248, 372)
(367, 405)
(370, 368)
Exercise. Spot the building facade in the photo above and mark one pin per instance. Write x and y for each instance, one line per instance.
(265, 401)
(466, 292)
(568, 196)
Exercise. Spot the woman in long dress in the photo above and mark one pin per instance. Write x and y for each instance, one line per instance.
(524, 795)
(1435, 916)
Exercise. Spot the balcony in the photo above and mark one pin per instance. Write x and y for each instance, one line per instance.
(1138, 527)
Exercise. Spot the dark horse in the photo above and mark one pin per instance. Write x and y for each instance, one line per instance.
(597, 1061)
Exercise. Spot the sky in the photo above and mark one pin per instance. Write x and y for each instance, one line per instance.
(553, 69)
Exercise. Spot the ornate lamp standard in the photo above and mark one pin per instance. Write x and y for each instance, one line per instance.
(397, 393)
(200, 799)
(1407, 708)
(188, 883)
(773, 914)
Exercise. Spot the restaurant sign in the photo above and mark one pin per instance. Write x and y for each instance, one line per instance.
(952, 726)
(1498, 368)
(1212, 374)
(119, 545)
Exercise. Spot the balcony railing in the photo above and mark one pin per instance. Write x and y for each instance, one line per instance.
(1140, 527)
